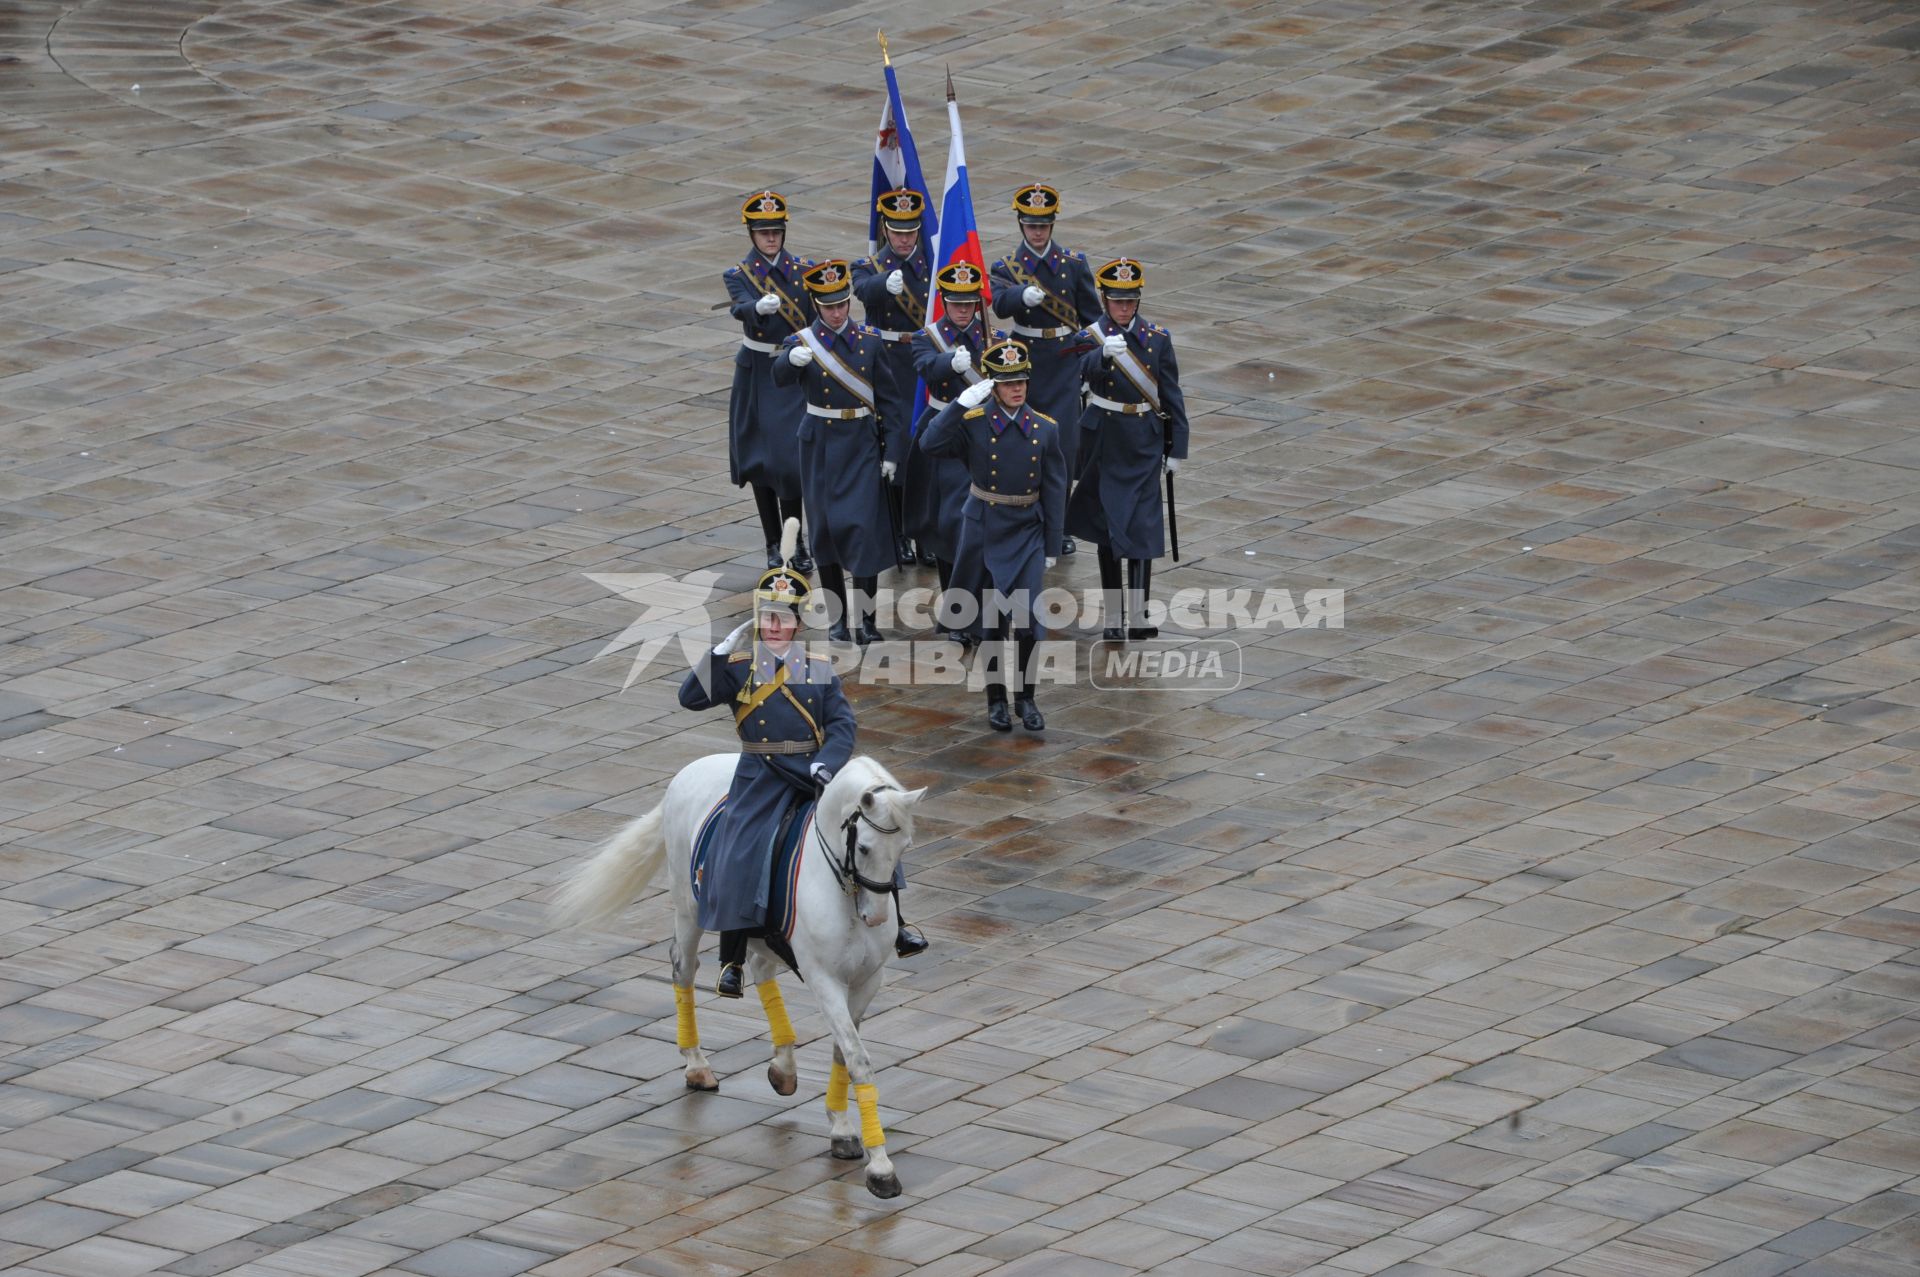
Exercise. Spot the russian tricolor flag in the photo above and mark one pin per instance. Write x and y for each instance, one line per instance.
(896, 167)
(957, 239)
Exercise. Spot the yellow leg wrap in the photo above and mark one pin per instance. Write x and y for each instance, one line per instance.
(685, 1034)
(776, 1007)
(837, 1089)
(867, 1096)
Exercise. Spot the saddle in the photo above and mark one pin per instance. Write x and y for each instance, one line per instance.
(789, 851)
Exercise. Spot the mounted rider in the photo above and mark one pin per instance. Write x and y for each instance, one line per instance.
(796, 729)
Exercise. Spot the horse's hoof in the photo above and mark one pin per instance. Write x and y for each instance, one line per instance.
(702, 1080)
(847, 1148)
(884, 1186)
(782, 1083)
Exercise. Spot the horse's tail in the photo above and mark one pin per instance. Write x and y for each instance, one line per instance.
(615, 875)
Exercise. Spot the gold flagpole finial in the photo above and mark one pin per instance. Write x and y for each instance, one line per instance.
(882, 35)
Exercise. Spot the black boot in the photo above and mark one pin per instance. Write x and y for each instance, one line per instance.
(862, 598)
(868, 632)
(1139, 581)
(773, 556)
(1030, 715)
(1068, 547)
(803, 559)
(904, 554)
(908, 941)
(834, 582)
(1116, 631)
(733, 956)
(997, 717)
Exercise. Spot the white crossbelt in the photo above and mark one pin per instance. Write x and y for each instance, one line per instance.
(1025, 331)
(938, 405)
(1114, 405)
(838, 414)
(764, 347)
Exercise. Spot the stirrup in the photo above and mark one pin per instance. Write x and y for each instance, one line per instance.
(908, 941)
(731, 982)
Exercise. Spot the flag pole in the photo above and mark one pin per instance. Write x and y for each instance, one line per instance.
(882, 36)
(950, 96)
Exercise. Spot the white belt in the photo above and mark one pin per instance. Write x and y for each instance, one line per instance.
(837, 414)
(937, 404)
(1112, 405)
(1025, 331)
(764, 347)
(893, 336)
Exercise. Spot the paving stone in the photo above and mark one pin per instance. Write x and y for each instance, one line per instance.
(1550, 916)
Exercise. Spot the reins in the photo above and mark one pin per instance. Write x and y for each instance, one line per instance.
(846, 869)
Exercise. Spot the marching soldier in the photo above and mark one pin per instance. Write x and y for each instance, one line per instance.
(796, 729)
(892, 288)
(1047, 291)
(947, 356)
(852, 442)
(1136, 428)
(763, 418)
(1011, 525)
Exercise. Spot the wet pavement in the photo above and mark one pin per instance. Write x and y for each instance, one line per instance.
(1556, 915)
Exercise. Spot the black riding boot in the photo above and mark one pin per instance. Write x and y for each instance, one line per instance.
(1113, 599)
(768, 505)
(997, 717)
(908, 940)
(864, 589)
(733, 958)
(903, 551)
(1139, 581)
(1030, 716)
(834, 582)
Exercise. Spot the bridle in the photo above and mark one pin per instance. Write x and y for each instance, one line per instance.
(846, 869)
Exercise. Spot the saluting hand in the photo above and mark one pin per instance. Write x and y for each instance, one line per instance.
(731, 642)
(767, 304)
(896, 283)
(975, 395)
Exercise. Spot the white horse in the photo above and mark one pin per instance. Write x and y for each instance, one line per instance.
(841, 936)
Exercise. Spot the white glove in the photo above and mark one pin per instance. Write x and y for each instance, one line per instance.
(975, 395)
(1033, 296)
(1172, 464)
(731, 642)
(799, 356)
(887, 470)
(821, 774)
(1051, 562)
(767, 304)
(962, 359)
(1114, 346)
(896, 283)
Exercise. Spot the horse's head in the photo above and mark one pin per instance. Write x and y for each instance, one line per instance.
(868, 822)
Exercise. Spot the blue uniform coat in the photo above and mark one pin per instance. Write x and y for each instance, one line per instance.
(848, 523)
(740, 862)
(937, 486)
(763, 418)
(1002, 547)
(1118, 501)
(904, 314)
(1055, 385)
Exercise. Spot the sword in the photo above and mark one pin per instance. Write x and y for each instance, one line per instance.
(1173, 511)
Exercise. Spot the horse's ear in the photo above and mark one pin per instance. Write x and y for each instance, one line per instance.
(913, 796)
(868, 801)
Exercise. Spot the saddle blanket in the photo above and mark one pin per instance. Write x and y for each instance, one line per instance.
(783, 882)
